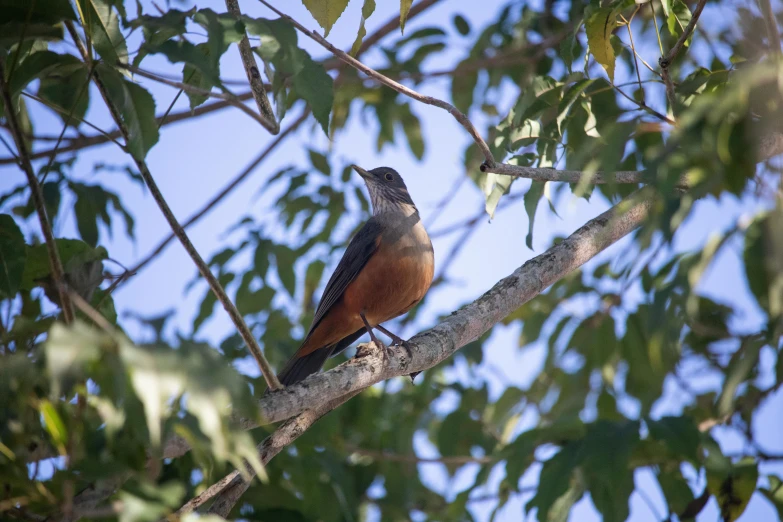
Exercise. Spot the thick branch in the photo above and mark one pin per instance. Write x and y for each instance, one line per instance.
(58, 274)
(253, 75)
(467, 324)
(217, 289)
(429, 100)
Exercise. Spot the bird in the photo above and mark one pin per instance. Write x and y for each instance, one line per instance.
(385, 271)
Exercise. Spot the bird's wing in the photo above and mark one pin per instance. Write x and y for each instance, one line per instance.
(361, 248)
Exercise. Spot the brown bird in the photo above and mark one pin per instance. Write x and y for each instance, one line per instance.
(386, 269)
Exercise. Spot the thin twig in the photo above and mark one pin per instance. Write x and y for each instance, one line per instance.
(230, 488)
(633, 48)
(415, 459)
(576, 176)
(212, 202)
(65, 112)
(253, 75)
(58, 274)
(666, 61)
(230, 98)
(79, 143)
(773, 33)
(65, 127)
(643, 106)
(217, 289)
(429, 100)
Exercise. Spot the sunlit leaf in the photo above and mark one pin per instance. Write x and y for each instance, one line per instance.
(326, 12)
(599, 26)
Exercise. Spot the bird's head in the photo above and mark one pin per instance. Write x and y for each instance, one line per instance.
(387, 189)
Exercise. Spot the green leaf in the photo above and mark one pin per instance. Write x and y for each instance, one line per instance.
(12, 33)
(286, 258)
(326, 12)
(405, 8)
(554, 480)
(569, 98)
(609, 478)
(678, 18)
(69, 89)
(209, 301)
(199, 57)
(367, 10)
(412, 128)
(137, 110)
(742, 363)
(733, 487)
(316, 87)
(763, 258)
(103, 25)
(73, 254)
(599, 26)
(54, 426)
(532, 197)
(13, 255)
(675, 489)
(462, 25)
(463, 87)
(774, 493)
(39, 12)
(222, 30)
(192, 75)
(680, 434)
(319, 161)
(40, 65)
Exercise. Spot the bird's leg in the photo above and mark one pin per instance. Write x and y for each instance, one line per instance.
(397, 340)
(374, 339)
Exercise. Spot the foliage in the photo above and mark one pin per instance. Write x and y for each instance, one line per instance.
(564, 88)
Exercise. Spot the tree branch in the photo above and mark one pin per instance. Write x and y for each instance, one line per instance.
(253, 75)
(773, 33)
(429, 100)
(667, 60)
(465, 325)
(230, 98)
(570, 176)
(217, 289)
(231, 487)
(58, 274)
(212, 202)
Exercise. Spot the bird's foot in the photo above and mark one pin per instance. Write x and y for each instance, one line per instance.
(371, 348)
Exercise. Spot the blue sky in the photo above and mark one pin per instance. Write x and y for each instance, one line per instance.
(194, 160)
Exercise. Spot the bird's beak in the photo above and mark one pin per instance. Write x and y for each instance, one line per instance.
(363, 173)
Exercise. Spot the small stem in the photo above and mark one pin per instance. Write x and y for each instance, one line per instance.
(633, 48)
(38, 199)
(212, 202)
(655, 23)
(63, 111)
(666, 61)
(773, 33)
(231, 98)
(203, 269)
(253, 74)
(65, 127)
(429, 100)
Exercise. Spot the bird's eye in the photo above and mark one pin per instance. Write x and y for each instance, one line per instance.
(389, 176)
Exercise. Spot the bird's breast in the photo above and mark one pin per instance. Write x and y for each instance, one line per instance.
(396, 277)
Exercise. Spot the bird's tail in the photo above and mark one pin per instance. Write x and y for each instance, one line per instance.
(299, 368)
